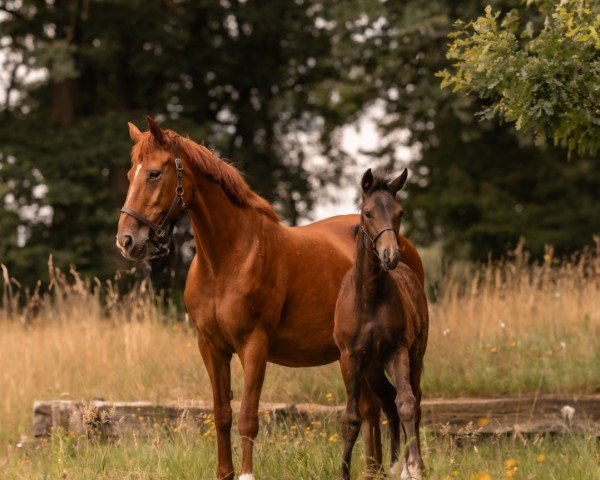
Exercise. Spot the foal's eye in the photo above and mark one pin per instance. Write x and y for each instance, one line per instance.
(153, 174)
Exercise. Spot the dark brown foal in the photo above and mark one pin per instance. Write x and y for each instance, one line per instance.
(381, 324)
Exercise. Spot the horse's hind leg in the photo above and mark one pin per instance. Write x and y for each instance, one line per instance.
(370, 411)
(386, 393)
(406, 404)
(352, 375)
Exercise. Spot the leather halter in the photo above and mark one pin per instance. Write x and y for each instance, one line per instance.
(161, 235)
(373, 240)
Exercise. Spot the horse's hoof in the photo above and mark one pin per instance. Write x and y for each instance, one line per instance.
(247, 476)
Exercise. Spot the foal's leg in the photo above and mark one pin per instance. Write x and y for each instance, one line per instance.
(370, 412)
(386, 393)
(407, 409)
(351, 373)
(416, 369)
(218, 366)
(253, 356)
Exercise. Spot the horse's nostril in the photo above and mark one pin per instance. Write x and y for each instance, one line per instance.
(127, 242)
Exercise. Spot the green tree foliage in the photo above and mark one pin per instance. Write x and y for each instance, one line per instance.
(542, 76)
(236, 75)
(476, 186)
(255, 79)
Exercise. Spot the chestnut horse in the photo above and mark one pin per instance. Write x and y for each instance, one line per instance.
(256, 288)
(381, 324)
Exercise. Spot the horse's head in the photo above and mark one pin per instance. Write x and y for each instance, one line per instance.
(157, 193)
(380, 216)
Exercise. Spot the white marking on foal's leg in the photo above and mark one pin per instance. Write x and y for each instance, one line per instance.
(395, 468)
(247, 476)
(411, 471)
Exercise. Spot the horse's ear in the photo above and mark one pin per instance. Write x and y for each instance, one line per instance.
(155, 130)
(367, 180)
(397, 183)
(134, 132)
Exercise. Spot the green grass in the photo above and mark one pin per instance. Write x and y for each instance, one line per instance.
(285, 452)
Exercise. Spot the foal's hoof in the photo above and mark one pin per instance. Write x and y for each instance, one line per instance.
(411, 472)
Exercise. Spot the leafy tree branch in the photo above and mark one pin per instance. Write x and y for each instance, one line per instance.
(544, 77)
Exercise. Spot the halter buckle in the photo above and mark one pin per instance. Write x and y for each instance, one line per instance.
(160, 232)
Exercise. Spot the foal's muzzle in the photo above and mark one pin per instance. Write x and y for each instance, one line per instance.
(390, 258)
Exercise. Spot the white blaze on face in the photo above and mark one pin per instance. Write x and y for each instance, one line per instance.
(132, 186)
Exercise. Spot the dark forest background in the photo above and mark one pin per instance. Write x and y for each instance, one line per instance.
(244, 76)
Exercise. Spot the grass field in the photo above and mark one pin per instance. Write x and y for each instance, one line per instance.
(286, 452)
(504, 328)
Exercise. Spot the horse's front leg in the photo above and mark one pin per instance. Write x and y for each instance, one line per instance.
(406, 404)
(218, 366)
(352, 375)
(253, 356)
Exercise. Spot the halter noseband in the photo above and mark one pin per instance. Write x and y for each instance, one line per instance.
(373, 240)
(162, 235)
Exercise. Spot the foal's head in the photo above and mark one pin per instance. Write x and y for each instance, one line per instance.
(157, 193)
(380, 216)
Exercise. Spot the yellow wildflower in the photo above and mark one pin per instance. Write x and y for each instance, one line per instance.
(481, 476)
(541, 458)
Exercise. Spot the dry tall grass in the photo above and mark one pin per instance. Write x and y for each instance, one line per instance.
(506, 327)
(513, 326)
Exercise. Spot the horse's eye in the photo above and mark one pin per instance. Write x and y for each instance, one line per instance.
(153, 174)
(368, 215)
(401, 214)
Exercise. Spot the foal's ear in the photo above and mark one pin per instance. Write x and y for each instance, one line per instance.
(134, 132)
(367, 180)
(397, 183)
(155, 130)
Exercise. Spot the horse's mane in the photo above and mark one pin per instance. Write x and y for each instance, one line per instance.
(213, 167)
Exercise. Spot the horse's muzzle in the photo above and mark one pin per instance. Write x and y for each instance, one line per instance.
(132, 248)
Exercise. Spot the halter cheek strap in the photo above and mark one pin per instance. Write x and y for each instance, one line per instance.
(161, 233)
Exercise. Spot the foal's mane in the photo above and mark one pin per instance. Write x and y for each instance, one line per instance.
(210, 165)
(381, 181)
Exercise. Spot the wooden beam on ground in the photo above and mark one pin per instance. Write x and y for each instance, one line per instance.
(464, 416)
